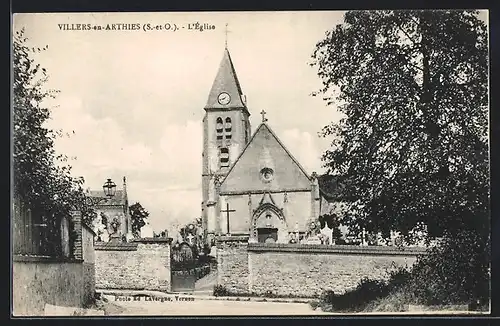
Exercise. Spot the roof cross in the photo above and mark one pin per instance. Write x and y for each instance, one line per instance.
(263, 113)
(226, 31)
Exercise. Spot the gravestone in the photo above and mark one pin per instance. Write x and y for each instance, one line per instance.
(115, 237)
(313, 240)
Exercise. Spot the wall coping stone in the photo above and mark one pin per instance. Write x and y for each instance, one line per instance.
(229, 238)
(153, 240)
(44, 259)
(115, 246)
(334, 249)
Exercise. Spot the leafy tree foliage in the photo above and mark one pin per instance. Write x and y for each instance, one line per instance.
(412, 145)
(39, 181)
(138, 216)
(455, 271)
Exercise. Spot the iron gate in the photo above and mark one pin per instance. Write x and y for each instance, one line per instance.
(183, 268)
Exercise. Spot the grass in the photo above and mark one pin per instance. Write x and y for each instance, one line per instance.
(221, 291)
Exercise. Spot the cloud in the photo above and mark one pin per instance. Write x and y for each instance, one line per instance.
(305, 148)
(181, 146)
(97, 144)
(135, 100)
(164, 176)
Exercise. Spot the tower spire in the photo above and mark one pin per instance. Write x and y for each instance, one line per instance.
(226, 82)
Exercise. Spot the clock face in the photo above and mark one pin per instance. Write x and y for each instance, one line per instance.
(224, 98)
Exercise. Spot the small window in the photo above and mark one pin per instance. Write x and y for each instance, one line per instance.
(218, 125)
(228, 136)
(268, 220)
(228, 126)
(219, 137)
(266, 174)
(224, 157)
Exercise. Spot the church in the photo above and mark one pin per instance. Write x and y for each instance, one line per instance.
(251, 184)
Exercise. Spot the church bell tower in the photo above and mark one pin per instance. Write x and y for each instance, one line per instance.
(226, 131)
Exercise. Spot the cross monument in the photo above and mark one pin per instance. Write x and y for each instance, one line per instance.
(227, 211)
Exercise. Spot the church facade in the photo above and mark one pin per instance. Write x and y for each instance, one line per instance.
(251, 184)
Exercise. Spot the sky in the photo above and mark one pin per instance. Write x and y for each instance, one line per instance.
(132, 100)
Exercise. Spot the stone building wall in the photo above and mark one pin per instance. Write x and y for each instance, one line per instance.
(140, 265)
(304, 270)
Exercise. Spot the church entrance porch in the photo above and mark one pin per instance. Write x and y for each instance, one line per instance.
(268, 225)
(267, 235)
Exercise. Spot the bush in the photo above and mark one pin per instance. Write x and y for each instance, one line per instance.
(454, 272)
(357, 299)
(398, 278)
(220, 291)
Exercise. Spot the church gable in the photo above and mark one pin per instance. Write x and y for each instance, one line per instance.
(265, 165)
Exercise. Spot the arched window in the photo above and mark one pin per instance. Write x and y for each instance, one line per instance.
(224, 157)
(268, 220)
(228, 128)
(228, 124)
(219, 128)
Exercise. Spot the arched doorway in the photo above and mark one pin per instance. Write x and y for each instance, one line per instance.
(268, 225)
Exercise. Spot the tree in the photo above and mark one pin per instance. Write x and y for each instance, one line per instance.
(42, 179)
(412, 145)
(138, 216)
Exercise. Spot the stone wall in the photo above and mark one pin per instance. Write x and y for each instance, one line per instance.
(140, 265)
(88, 253)
(304, 270)
(232, 263)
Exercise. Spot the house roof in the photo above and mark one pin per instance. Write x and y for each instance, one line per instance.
(226, 81)
(119, 199)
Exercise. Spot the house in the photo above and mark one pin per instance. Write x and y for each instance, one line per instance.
(116, 212)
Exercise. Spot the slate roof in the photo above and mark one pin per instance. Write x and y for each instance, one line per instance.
(225, 81)
(118, 200)
(330, 186)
